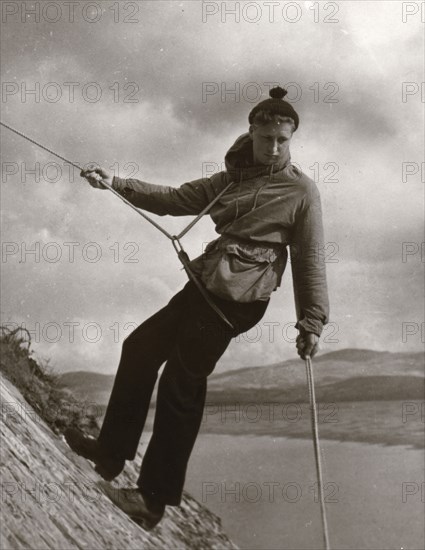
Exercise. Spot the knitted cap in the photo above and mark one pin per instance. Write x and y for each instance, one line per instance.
(275, 106)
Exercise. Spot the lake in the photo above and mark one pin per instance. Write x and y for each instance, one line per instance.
(264, 489)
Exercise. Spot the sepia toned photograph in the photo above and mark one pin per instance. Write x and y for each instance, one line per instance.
(212, 275)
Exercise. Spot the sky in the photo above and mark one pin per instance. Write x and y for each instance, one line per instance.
(159, 91)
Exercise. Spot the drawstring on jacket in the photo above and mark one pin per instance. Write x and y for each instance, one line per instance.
(254, 206)
(237, 197)
(257, 193)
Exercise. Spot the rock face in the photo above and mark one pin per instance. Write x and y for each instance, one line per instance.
(51, 498)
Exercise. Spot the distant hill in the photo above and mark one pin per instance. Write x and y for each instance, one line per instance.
(94, 386)
(366, 388)
(344, 375)
(337, 365)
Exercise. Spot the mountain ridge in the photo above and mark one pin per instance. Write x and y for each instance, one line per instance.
(339, 373)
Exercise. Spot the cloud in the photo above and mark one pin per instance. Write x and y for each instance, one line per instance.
(167, 60)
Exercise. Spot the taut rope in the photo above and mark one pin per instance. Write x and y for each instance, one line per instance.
(175, 239)
(316, 442)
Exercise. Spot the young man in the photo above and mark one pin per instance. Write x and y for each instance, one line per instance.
(269, 206)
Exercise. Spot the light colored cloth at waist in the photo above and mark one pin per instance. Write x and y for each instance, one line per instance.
(241, 271)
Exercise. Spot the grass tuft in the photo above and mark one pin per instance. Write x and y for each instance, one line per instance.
(40, 386)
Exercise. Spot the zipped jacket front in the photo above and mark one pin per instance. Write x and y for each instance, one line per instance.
(265, 211)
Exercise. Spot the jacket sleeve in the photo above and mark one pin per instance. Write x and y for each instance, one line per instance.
(188, 199)
(308, 266)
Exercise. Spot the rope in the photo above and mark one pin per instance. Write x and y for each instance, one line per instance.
(185, 260)
(147, 218)
(39, 145)
(183, 257)
(204, 211)
(316, 442)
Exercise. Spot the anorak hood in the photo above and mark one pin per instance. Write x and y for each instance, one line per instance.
(239, 161)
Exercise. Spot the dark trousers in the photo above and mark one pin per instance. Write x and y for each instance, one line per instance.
(190, 337)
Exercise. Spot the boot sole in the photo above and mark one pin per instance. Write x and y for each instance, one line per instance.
(105, 474)
(143, 523)
(140, 520)
(72, 441)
